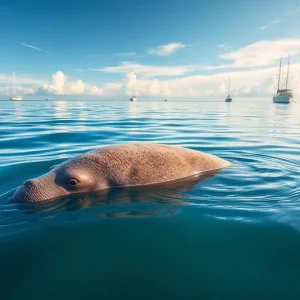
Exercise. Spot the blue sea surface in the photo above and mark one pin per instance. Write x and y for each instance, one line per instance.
(233, 235)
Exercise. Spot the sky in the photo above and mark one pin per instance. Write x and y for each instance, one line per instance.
(175, 48)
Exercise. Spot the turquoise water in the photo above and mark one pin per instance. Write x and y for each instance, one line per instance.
(235, 235)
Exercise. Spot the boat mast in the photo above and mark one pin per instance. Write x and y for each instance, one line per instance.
(279, 73)
(229, 86)
(133, 85)
(15, 92)
(287, 75)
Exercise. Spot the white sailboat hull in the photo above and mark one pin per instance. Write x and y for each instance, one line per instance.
(281, 99)
(133, 98)
(16, 98)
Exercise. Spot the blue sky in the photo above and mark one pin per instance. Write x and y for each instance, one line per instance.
(90, 40)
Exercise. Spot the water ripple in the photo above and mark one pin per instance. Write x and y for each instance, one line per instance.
(260, 139)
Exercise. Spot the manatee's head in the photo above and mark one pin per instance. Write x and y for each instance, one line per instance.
(76, 175)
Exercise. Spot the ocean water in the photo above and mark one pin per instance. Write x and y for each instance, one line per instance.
(231, 235)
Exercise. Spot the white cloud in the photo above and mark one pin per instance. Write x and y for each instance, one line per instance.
(8, 79)
(59, 85)
(282, 18)
(30, 46)
(131, 83)
(25, 90)
(244, 83)
(114, 85)
(19, 90)
(223, 47)
(148, 70)
(126, 54)
(253, 70)
(78, 70)
(262, 53)
(165, 50)
(114, 89)
(271, 23)
(92, 90)
(259, 54)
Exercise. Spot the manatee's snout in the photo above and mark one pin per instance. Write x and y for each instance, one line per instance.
(36, 190)
(30, 191)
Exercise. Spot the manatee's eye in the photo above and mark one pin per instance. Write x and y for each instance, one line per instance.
(72, 182)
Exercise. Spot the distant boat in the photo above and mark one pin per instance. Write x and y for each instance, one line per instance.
(133, 97)
(228, 98)
(47, 99)
(283, 95)
(15, 97)
(166, 100)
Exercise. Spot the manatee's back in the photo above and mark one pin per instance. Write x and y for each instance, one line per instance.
(147, 163)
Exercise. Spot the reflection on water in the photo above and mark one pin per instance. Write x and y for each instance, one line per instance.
(132, 108)
(148, 201)
(61, 109)
(19, 110)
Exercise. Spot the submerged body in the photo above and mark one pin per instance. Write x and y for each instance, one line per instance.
(124, 165)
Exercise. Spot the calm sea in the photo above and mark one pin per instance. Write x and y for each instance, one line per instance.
(235, 235)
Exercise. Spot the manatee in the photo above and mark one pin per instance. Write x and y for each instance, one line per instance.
(123, 165)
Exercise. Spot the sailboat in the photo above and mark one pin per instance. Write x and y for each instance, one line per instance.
(133, 97)
(283, 95)
(228, 98)
(15, 97)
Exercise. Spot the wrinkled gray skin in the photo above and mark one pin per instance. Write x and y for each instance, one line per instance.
(122, 165)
